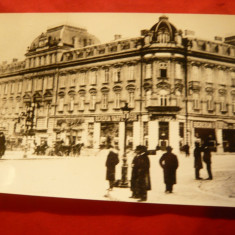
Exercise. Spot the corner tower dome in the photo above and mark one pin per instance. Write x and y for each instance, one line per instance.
(163, 31)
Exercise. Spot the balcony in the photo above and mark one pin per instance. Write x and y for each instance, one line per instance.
(194, 85)
(163, 109)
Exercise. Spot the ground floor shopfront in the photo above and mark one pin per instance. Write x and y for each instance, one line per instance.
(154, 131)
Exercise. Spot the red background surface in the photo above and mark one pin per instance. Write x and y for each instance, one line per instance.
(40, 215)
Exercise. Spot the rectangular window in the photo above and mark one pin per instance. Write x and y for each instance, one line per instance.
(178, 71)
(196, 104)
(29, 85)
(82, 103)
(195, 73)
(148, 71)
(104, 102)
(62, 81)
(163, 100)
(117, 75)
(17, 109)
(163, 73)
(117, 100)
(12, 87)
(20, 86)
(5, 88)
(209, 75)
(93, 77)
(106, 76)
(72, 79)
(71, 104)
(131, 70)
(38, 84)
(92, 102)
(233, 106)
(233, 82)
(131, 99)
(82, 78)
(49, 82)
(210, 105)
(181, 129)
(61, 104)
(223, 105)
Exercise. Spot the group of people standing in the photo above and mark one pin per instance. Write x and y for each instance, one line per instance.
(198, 160)
(140, 175)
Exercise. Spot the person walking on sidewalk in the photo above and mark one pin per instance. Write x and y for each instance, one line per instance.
(207, 160)
(169, 163)
(140, 174)
(111, 162)
(197, 160)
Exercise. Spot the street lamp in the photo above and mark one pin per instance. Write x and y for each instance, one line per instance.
(124, 181)
(29, 122)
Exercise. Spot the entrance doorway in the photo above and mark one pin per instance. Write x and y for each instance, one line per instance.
(163, 135)
(229, 140)
(207, 136)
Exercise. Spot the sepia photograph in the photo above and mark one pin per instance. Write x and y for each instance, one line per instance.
(128, 107)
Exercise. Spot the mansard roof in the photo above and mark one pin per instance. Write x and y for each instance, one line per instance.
(63, 35)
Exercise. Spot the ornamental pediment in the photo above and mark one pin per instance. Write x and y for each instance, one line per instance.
(163, 86)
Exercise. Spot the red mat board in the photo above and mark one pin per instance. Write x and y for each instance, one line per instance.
(38, 215)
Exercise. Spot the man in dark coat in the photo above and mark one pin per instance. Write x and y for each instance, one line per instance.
(169, 163)
(197, 161)
(207, 160)
(2, 144)
(111, 162)
(140, 180)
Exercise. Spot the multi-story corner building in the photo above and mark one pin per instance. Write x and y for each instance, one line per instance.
(180, 88)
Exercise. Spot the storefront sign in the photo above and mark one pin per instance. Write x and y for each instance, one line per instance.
(225, 125)
(115, 118)
(201, 124)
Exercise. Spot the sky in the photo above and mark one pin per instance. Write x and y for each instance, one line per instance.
(19, 30)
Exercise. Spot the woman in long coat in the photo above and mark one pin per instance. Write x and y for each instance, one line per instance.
(111, 162)
(169, 163)
(197, 160)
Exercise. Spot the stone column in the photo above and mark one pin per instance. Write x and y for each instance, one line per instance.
(96, 137)
(121, 137)
(174, 137)
(153, 134)
(219, 138)
(136, 134)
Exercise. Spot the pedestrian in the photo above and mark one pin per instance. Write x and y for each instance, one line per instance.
(140, 179)
(169, 163)
(2, 144)
(111, 162)
(197, 160)
(134, 190)
(207, 160)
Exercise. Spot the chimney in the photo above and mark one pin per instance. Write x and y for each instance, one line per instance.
(230, 40)
(218, 38)
(144, 32)
(117, 36)
(189, 32)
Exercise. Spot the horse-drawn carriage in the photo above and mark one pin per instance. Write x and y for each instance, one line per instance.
(59, 149)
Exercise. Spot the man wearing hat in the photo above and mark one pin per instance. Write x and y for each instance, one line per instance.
(169, 163)
(111, 162)
(140, 178)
